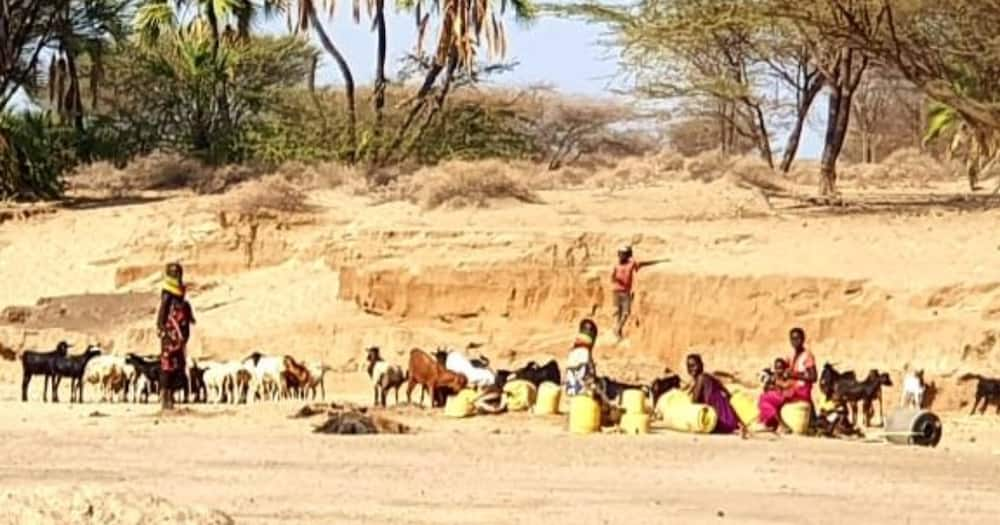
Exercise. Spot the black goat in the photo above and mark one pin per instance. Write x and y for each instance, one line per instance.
(987, 391)
(148, 369)
(829, 378)
(73, 367)
(613, 390)
(662, 385)
(849, 392)
(40, 363)
(196, 378)
(549, 372)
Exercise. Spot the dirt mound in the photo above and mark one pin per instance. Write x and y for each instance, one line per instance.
(93, 506)
(351, 421)
(82, 312)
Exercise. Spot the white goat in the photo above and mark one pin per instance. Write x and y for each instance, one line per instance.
(108, 371)
(478, 377)
(317, 374)
(215, 380)
(913, 390)
(267, 372)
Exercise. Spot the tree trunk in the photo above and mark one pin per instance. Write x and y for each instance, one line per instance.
(763, 140)
(847, 77)
(795, 136)
(345, 71)
(74, 101)
(380, 80)
(833, 141)
(723, 133)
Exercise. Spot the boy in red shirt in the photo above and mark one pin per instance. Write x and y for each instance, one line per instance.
(621, 278)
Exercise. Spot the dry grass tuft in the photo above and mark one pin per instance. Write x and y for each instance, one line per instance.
(322, 176)
(157, 171)
(459, 184)
(707, 166)
(271, 193)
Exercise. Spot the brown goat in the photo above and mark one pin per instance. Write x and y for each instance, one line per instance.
(432, 377)
(295, 378)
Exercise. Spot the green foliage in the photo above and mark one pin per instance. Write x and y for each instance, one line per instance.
(311, 127)
(180, 94)
(35, 150)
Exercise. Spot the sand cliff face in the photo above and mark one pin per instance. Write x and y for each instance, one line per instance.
(871, 291)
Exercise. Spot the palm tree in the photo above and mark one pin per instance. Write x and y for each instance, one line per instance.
(308, 18)
(464, 26)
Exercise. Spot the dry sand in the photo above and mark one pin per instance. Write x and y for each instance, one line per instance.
(887, 290)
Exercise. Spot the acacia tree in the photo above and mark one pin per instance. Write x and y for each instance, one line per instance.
(946, 49)
(702, 51)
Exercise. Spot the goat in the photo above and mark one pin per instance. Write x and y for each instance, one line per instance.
(215, 379)
(384, 376)
(613, 390)
(987, 391)
(40, 363)
(35, 363)
(829, 377)
(73, 367)
(432, 377)
(850, 392)
(913, 390)
(295, 378)
(662, 385)
(267, 371)
(196, 377)
(147, 375)
(317, 374)
(477, 376)
(111, 373)
(549, 372)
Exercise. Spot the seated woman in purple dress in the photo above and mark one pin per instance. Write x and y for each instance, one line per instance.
(708, 390)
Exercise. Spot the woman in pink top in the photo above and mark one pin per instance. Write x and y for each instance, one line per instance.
(798, 382)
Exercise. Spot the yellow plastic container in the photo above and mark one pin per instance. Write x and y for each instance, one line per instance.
(461, 404)
(547, 399)
(634, 401)
(745, 405)
(635, 423)
(669, 399)
(694, 418)
(584, 415)
(796, 416)
(680, 414)
(520, 395)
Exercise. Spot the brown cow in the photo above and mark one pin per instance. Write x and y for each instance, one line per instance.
(295, 378)
(431, 376)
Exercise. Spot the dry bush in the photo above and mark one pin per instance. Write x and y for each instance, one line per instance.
(911, 163)
(805, 172)
(707, 166)
(458, 184)
(270, 193)
(156, 171)
(647, 170)
(751, 168)
(906, 167)
(322, 176)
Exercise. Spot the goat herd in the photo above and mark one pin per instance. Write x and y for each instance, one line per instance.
(258, 377)
(267, 377)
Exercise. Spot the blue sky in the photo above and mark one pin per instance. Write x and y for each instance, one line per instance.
(566, 54)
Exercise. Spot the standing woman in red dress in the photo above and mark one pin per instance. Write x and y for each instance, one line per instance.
(173, 325)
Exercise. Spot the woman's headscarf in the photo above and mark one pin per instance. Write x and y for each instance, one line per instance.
(587, 334)
(173, 279)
